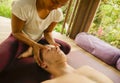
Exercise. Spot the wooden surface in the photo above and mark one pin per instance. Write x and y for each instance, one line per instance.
(5, 28)
(84, 17)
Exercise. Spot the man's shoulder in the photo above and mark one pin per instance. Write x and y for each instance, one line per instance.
(85, 67)
(48, 81)
(70, 78)
(93, 74)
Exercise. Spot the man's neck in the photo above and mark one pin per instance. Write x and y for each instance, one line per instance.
(61, 69)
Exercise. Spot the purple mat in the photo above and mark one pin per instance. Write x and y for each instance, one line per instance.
(24, 71)
(77, 59)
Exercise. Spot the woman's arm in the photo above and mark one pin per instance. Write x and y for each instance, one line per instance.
(17, 27)
(48, 34)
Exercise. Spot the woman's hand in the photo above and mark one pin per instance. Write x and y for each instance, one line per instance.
(26, 54)
(55, 44)
(36, 52)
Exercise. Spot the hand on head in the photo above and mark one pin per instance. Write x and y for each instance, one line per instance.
(52, 55)
(36, 50)
(46, 50)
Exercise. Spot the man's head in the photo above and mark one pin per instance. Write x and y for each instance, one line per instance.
(52, 56)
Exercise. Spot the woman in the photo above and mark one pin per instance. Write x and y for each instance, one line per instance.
(31, 19)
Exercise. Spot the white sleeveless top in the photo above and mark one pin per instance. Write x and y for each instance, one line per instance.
(34, 26)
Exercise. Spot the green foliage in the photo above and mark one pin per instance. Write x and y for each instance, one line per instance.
(58, 28)
(3, 12)
(106, 24)
(5, 8)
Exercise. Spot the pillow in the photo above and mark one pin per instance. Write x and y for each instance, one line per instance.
(98, 48)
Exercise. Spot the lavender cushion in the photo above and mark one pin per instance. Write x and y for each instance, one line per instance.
(118, 64)
(98, 48)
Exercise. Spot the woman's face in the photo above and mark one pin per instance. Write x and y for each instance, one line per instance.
(53, 55)
(54, 4)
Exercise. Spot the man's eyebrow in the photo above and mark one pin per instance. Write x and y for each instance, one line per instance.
(41, 55)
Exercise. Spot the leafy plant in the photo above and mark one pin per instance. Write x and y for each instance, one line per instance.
(5, 8)
(106, 24)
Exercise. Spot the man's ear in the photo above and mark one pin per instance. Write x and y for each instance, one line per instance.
(44, 65)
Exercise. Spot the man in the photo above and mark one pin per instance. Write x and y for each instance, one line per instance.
(54, 61)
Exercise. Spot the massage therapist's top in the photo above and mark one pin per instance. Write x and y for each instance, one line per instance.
(34, 24)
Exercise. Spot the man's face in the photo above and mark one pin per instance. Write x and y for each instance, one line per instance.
(53, 55)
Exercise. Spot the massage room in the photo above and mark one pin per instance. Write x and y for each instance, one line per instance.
(86, 49)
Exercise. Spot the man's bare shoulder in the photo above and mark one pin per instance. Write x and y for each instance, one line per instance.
(70, 78)
(93, 74)
(49, 81)
(85, 68)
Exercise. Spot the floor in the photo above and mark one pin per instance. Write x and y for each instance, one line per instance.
(5, 28)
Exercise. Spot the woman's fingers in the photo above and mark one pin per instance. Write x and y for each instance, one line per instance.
(24, 55)
(47, 48)
(56, 44)
(37, 58)
(36, 53)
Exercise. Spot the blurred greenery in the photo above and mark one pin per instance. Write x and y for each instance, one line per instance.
(5, 8)
(106, 24)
